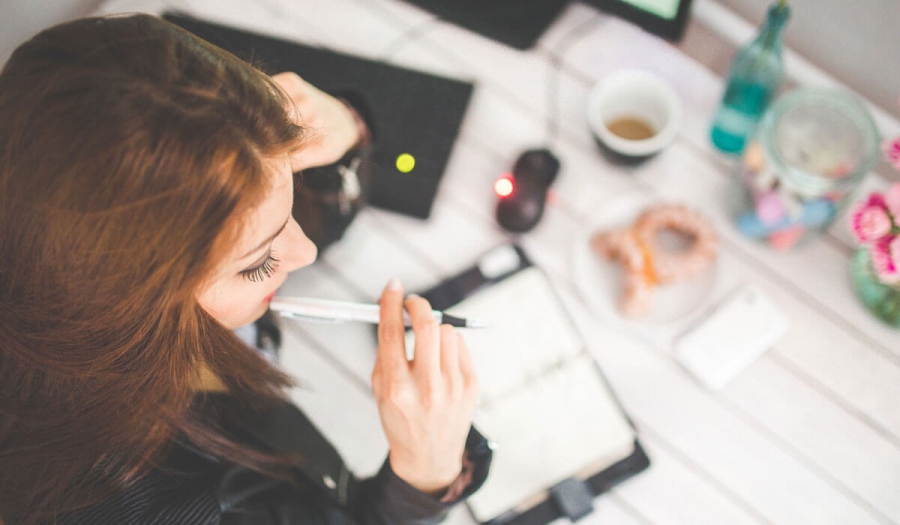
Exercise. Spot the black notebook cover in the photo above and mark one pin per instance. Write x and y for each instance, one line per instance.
(412, 112)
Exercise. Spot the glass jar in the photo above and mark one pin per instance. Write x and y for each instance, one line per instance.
(812, 148)
(881, 299)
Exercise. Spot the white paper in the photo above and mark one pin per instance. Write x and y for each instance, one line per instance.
(542, 399)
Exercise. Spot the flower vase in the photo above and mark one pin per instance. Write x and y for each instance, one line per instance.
(881, 299)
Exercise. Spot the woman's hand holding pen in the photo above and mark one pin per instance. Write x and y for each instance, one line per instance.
(426, 405)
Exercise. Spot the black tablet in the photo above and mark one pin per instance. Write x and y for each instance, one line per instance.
(666, 18)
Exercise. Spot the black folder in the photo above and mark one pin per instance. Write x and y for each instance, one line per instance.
(412, 112)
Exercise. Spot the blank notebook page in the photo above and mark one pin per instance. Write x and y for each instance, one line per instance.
(542, 398)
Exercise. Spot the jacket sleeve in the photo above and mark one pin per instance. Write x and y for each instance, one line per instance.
(191, 487)
(327, 493)
(385, 499)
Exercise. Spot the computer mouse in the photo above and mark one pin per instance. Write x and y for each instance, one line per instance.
(524, 193)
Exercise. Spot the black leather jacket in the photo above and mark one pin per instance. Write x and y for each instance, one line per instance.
(195, 488)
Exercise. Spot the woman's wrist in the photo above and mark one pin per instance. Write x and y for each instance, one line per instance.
(363, 135)
(434, 484)
(458, 486)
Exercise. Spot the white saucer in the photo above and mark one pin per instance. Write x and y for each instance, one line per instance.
(600, 281)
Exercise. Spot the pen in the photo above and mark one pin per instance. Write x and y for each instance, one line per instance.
(308, 308)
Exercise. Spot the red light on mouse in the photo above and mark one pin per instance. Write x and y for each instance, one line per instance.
(504, 186)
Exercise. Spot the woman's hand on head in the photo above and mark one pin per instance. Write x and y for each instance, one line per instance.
(426, 405)
(331, 126)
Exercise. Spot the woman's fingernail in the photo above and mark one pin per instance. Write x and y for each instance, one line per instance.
(393, 284)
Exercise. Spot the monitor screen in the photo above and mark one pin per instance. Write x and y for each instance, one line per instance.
(667, 9)
(666, 18)
(516, 23)
(519, 23)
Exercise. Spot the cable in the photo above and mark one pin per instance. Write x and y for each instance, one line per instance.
(556, 63)
(407, 36)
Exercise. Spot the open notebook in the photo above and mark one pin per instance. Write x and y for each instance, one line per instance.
(543, 400)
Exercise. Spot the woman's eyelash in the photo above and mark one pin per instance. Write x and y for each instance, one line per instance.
(263, 271)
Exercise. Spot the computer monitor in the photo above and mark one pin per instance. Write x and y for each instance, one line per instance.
(516, 23)
(666, 18)
(519, 23)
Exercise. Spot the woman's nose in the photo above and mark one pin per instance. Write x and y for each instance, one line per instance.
(299, 250)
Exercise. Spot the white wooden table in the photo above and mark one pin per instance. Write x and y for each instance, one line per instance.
(810, 433)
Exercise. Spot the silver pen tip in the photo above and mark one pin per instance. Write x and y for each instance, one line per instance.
(477, 323)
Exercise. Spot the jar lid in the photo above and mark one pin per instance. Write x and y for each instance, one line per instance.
(820, 140)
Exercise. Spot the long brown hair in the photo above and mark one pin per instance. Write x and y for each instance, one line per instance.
(128, 152)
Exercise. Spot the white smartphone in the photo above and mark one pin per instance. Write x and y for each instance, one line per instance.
(731, 336)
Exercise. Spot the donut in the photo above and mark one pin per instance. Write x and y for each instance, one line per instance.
(677, 266)
(645, 264)
(619, 245)
(637, 292)
(637, 295)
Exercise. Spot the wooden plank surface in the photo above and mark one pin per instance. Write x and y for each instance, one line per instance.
(810, 433)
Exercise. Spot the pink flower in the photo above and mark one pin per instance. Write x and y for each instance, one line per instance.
(892, 201)
(894, 250)
(885, 254)
(892, 151)
(871, 221)
(876, 199)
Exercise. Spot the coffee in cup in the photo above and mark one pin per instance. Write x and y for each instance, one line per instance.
(631, 128)
(633, 114)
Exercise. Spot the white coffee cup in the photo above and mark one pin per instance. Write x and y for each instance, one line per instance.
(640, 95)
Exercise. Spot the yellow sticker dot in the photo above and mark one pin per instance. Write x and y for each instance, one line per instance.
(406, 163)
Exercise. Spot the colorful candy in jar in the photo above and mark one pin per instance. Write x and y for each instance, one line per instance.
(780, 215)
(812, 148)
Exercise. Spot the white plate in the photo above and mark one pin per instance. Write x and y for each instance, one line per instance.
(600, 281)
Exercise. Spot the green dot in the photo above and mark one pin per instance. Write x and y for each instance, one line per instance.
(406, 163)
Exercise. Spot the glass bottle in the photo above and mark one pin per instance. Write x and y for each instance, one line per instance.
(753, 79)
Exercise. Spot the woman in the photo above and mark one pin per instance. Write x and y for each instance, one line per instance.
(145, 213)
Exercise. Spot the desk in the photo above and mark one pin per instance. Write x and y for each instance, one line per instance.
(810, 433)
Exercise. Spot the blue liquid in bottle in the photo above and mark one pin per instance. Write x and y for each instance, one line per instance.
(737, 120)
(752, 81)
